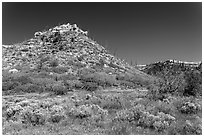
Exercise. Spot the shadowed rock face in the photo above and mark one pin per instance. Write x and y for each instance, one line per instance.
(68, 44)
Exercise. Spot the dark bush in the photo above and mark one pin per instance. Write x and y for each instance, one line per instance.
(185, 128)
(90, 86)
(194, 83)
(127, 84)
(31, 88)
(123, 76)
(120, 128)
(11, 81)
(85, 71)
(42, 74)
(32, 117)
(73, 84)
(78, 65)
(137, 79)
(100, 78)
(58, 88)
(188, 105)
(60, 70)
(112, 102)
(169, 84)
(56, 118)
(45, 83)
(64, 77)
(180, 81)
(9, 85)
(22, 79)
(6, 76)
(155, 92)
(54, 63)
(28, 88)
(43, 59)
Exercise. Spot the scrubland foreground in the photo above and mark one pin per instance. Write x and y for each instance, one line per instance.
(63, 83)
(36, 103)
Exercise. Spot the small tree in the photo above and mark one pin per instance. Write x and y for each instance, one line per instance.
(194, 82)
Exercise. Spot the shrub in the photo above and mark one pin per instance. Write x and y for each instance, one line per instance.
(81, 112)
(78, 65)
(58, 88)
(6, 76)
(112, 102)
(12, 111)
(85, 71)
(168, 85)
(100, 78)
(185, 128)
(123, 76)
(73, 84)
(28, 88)
(90, 99)
(33, 117)
(54, 63)
(139, 116)
(120, 128)
(12, 128)
(92, 111)
(43, 59)
(127, 84)
(141, 80)
(57, 114)
(42, 74)
(60, 70)
(63, 77)
(189, 107)
(126, 115)
(9, 85)
(165, 107)
(180, 82)
(90, 86)
(194, 81)
(172, 84)
(21, 78)
(155, 92)
(44, 83)
(56, 118)
(134, 78)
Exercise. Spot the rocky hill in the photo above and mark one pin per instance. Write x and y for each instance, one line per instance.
(66, 47)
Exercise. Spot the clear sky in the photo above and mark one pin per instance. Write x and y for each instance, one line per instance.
(141, 32)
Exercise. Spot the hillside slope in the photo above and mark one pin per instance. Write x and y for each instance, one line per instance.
(67, 44)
